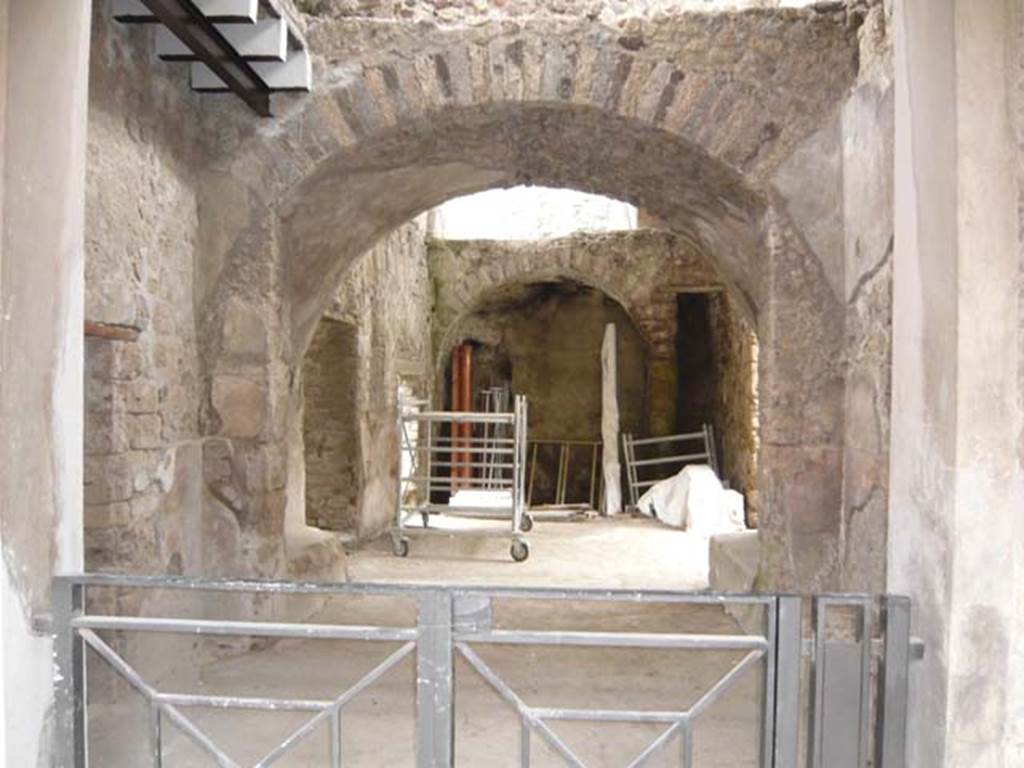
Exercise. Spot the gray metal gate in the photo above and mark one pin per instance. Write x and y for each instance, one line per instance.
(858, 651)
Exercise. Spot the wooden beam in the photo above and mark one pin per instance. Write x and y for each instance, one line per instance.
(110, 331)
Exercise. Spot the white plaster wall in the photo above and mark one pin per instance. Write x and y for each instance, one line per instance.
(528, 213)
(957, 486)
(990, 480)
(43, 147)
(5, 589)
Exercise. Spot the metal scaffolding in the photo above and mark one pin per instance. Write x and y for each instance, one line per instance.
(477, 460)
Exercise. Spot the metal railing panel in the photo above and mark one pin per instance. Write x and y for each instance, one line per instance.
(453, 620)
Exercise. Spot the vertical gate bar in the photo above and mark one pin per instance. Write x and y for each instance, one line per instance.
(156, 739)
(400, 430)
(686, 746)
(533, 472)
(524, 744)
(788, 642)
(769, 682)
(819, 609)
(434, 681)
(69, 676)
(894, 677)
(429, 454)
(593, 474)
(335, 736)
(867, 636)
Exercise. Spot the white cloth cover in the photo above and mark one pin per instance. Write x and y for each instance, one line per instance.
(695, 500)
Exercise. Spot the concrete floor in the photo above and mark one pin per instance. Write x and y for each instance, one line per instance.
(378, 725)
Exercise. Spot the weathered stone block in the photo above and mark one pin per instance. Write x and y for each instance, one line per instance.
(105, 432)
(144, 430)
(107, 515)
(140, 396)
(240, 404)
(244, 334)
(108, 478)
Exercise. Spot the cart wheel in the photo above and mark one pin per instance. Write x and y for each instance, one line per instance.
(526, 524)
(425, 516)
(400, 547)
(520, 551)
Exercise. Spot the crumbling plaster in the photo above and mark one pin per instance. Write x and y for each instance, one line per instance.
(43, 61)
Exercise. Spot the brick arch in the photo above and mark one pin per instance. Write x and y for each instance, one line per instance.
(690, 138)
(599, 261)
(480, 295)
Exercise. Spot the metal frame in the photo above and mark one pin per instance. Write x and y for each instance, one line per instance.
(197, 32)
(454, 620)
(677, 461)
(495, 462)
(595, 489)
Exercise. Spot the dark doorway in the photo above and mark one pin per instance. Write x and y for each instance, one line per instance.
(695, 362)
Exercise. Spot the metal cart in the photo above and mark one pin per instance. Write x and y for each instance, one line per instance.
(477, 459)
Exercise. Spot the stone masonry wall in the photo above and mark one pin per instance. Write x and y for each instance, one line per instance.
(143, 464)
(690, 115)
(385, 301)
(643, 270)
(735, 348)
(330, 426)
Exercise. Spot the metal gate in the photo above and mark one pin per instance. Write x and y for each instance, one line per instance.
(857, 650)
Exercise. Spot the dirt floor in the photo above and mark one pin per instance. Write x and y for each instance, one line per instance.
(378, 726)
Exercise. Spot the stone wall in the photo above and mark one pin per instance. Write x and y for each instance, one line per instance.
(385, 303)
(686, 114)
(330, 427)
(867, 124)
(644, 271)
(736, 422)
(143, 471)
(550, 336)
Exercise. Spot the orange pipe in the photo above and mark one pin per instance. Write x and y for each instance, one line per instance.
(462, 400)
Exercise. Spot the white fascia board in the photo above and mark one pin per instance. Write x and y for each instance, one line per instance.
(226, 11)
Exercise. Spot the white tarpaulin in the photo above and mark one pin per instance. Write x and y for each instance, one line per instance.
(695, 500)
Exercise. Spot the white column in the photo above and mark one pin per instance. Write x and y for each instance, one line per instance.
(46, 45)
(610, 423)
(956, 528)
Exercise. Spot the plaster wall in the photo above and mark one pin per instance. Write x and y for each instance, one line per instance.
(45, 53)
(866, 126)
(957, 482)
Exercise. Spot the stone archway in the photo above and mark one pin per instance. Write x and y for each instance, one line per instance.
(455, 112)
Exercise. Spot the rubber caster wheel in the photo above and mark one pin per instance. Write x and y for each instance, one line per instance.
(526, 524)
(425, 516)
(400, 547)
(520, 551)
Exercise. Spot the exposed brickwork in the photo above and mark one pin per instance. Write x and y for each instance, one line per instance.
(331, 427)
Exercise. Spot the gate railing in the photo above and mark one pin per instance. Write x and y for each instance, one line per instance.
(858, 650)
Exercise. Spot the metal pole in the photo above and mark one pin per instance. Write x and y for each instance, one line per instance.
(893, 685)
(71, 745)
(435, 684)
(156, 744)
(785, 725)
